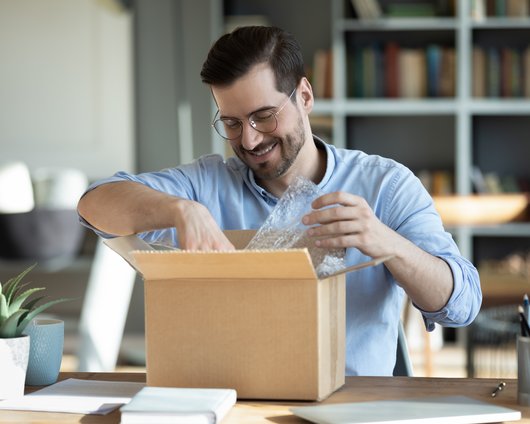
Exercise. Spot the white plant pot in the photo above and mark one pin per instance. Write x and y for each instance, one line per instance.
(14, 354)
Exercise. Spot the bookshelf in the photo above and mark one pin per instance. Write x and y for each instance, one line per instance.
(435, 132)
(449, 133)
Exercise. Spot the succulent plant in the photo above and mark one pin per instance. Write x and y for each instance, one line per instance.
(16, 309)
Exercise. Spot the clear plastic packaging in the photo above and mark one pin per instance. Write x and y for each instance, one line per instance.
(283, 229)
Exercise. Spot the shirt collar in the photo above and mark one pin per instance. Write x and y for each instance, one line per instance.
(330, 167)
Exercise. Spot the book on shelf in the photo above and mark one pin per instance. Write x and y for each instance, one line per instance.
(410, 10)
(367, 9)
(516, 8)
(322, 74)
(501, 72)
(437, 182)
(391, 69)
(478, 72)
(478, 10)
(412, 73)
(493, 72)
(442, 183)
(434, 60)
(448, 72)
(526, 72)
(372, 72)
(178, 405)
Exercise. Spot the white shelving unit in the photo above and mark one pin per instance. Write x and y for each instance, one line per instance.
(353, 118)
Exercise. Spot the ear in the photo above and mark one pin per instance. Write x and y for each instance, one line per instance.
(306, 95)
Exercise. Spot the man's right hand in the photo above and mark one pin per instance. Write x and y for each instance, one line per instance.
(197, 230)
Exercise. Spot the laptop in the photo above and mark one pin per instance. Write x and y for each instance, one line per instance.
(426, 410)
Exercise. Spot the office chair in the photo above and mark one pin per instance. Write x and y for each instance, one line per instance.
(403, 365)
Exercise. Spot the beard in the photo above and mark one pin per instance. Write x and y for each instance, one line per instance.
(290, 146)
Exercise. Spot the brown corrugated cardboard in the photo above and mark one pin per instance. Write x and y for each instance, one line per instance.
(260, 322)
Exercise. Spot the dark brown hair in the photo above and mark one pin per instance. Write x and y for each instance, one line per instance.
(235, 53)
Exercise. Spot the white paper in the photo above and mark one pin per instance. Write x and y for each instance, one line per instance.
(76, 396)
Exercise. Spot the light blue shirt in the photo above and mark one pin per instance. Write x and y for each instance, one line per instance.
(374, 299)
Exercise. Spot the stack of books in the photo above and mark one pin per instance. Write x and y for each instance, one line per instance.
(391, 70)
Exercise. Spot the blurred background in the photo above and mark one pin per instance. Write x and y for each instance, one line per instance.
(90, 87)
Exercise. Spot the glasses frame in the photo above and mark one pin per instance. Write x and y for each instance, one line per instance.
(251, 122)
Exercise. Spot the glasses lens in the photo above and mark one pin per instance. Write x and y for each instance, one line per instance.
(264, 122)
(228, 128)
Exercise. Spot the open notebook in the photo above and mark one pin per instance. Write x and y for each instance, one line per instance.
(428, 410)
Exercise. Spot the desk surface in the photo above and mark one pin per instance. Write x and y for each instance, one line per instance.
(357, 389)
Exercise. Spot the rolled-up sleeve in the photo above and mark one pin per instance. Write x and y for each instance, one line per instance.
(465, 301)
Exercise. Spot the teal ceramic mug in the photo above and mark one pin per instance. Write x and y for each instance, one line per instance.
(46, 338)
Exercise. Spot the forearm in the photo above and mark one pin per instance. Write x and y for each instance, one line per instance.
(125, 207)
(427, 279)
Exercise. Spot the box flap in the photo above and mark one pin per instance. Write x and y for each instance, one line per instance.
(263, 264)
(283, 263)
(123, 246)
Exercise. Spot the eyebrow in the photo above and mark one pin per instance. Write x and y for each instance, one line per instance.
(261, 109)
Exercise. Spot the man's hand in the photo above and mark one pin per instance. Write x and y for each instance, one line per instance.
(343, 220)
(197, 230)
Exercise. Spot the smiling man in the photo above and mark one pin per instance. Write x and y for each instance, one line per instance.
(372, 206)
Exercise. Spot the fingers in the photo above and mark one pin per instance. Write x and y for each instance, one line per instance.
(328, 215)
(340, 220)
(205, 240)
(335, 207)
(336, 198)
(197, 230)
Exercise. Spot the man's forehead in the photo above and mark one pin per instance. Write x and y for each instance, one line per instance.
(254, 90)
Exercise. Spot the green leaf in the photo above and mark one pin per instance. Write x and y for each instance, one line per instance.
(31, 304)
(19, 289)
(32, 314)
(3, 308)
(9, 328)
(19, 300)
(12, 284)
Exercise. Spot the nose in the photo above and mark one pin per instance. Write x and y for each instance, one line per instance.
(250, 138)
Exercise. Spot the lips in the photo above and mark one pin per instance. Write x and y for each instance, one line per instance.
(261, 153)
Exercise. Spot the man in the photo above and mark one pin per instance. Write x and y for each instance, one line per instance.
(372, 206)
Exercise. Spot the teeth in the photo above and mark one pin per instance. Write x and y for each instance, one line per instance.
(263, 152)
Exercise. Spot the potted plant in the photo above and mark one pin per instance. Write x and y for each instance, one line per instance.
(17, 309)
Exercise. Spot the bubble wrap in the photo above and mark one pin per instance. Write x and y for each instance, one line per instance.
(283, 229)
(166, 240)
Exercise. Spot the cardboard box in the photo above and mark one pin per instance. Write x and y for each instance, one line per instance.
(260, 322)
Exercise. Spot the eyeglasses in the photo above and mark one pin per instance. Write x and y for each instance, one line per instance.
(262, 121)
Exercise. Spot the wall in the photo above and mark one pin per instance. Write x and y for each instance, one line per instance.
(174, 108)
(66, 85)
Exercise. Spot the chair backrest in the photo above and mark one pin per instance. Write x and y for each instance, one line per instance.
(403, 365)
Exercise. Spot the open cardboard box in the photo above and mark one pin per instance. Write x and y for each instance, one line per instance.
(260, 322)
